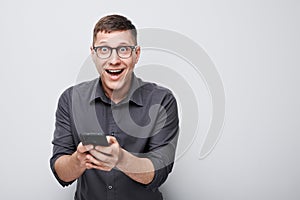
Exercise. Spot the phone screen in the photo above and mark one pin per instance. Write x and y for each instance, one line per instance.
(95, 139)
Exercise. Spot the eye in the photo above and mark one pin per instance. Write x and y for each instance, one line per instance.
(103, 50)
(123, 49)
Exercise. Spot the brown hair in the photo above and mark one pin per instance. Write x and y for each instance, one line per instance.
(112, 23)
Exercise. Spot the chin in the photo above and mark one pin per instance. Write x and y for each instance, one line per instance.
(116, 86)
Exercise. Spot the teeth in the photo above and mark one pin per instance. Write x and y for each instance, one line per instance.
(115, 70)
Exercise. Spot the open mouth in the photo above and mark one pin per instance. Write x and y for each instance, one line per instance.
(114, 72)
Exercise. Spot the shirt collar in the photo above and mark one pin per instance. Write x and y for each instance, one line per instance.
(134, 93)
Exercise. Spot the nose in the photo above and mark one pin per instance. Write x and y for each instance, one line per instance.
(114, 58)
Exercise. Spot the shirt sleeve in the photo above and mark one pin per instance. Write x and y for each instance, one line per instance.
(163, 144)
(63, 143)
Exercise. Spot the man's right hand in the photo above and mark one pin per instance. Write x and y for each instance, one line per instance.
(70, 167)
(82, 155)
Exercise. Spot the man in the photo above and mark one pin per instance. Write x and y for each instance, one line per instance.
(139, 119)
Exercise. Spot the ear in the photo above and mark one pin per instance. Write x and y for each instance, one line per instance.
(137, 53)
(93, 54)
(92, 50)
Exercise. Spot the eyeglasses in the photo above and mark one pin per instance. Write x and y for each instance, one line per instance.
(104, 52)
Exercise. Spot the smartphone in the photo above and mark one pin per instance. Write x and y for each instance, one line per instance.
(95, 139)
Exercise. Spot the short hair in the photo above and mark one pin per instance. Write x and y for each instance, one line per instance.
(111, 23)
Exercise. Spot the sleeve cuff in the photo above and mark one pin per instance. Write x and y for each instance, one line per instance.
(160, 174)
(61, 182)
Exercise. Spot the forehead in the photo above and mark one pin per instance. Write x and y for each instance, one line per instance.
(114, 38)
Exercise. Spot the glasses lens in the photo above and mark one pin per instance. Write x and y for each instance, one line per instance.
(103, 52)
(124, 52)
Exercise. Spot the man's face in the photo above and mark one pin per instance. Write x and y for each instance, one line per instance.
(115, 72)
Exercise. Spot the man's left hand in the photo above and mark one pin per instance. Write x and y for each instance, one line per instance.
(105, 158)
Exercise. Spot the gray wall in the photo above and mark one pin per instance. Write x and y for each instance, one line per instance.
(254, 46)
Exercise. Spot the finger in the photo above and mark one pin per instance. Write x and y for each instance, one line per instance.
(82, 149)
(100, 164)
(93, 159)
(101, 156)
(92, 166)
(114, 145)
(110, 160)
(81, 156)
(105, 150)
(111, 139)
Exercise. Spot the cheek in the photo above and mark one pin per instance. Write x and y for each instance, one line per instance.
(99, 69)
(133, 61)
(99, 65)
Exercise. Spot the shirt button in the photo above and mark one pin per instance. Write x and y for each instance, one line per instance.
(110, 187)
(112, 133)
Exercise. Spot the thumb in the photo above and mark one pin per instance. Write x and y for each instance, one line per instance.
(82, 149)
(111, 139)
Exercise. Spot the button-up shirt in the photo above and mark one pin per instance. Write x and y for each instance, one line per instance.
(145, 123)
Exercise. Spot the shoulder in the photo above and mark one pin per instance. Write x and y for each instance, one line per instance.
(155, 91)
(149, 87)
(87, 84)
(81, 88)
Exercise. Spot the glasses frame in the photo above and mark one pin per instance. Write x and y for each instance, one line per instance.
(111, 50)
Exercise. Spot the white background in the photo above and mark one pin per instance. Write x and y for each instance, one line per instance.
(255, 46)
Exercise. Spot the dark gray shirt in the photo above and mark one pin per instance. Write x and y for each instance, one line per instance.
(145, 123)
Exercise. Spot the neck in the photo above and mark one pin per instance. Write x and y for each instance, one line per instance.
(117, 96)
